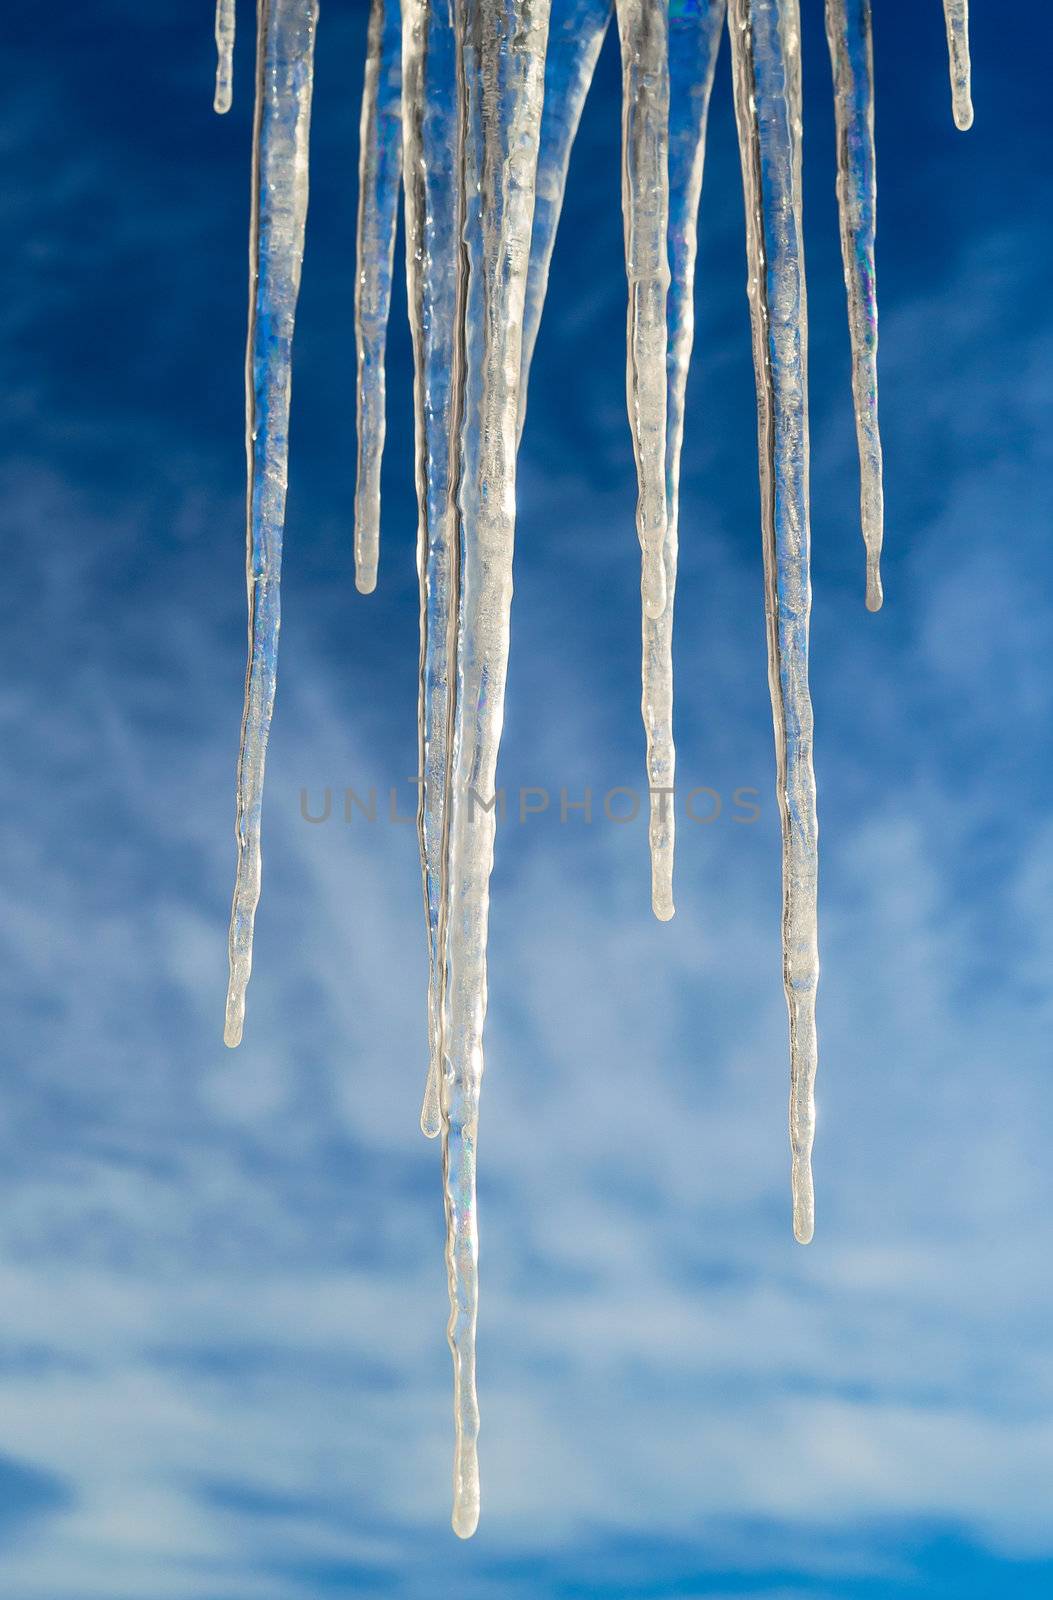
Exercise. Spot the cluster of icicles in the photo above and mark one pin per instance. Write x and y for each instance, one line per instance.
(472, 107)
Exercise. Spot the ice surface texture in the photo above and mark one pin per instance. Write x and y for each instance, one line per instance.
(284, 72)
(473, 105)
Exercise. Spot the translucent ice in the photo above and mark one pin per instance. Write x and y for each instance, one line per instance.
(284, 70)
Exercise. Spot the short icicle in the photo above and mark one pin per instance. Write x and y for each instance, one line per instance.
(643, 27)
(577, 29)
(765, 41)
(434, 296)
(848, 32)
(284, 66)
(694, 40)
(501, 73)
(224, 56)
(956, 16)
(379, 169)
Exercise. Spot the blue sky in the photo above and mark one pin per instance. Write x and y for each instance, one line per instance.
(223, 1370)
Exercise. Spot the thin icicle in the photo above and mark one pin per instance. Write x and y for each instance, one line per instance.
(848, 31)
(694, 40)
(577, 29)
(224, 55)
(379, 167)
(284, 67)
(643, 26)
(502, 64)
(433, 284)
(956, 16)
(765, 41)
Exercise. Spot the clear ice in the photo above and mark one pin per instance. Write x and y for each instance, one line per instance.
(643, 27)
(475, 104)
(694, 39)
(848, 32)
(284, 74)
(766, 69)
(379, 169)
(434, 292)
(956, 16)
(224, 56)
(501, 64)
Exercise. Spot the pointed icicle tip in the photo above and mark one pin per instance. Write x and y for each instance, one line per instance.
(379, 175)
(956, 16)
(431, 1110)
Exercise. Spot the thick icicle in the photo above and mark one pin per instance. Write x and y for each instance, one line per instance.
(224, 55)
(576, 32)
(577, 29)
(502, 64)
(379, 167)
(435, 300)
(643, 27)
(284, 66)
(765, 41)
(956, 16)
(694, 40)
(848, 31)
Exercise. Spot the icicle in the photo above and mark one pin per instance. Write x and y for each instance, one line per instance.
(694, 39)
(224, 55)
(576, 33)
(284, 66)
(848, 32)
(435, 300)
(379, 165)
(502, 62)
(765, 41)
(956, 16)
(643, 26)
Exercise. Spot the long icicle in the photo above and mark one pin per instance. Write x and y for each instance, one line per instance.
(379, 168)
(576, 33)
(577, 29)
(694, 40)
(224, 56)
(435, 300)
(956, 16)
(643, 27)
(765, 42)
(574, 47)
(501, 71)
(284, 69)
(848, 32)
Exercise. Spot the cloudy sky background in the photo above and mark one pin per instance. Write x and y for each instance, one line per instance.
(223, 1369)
